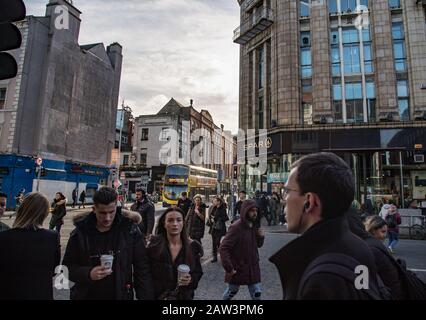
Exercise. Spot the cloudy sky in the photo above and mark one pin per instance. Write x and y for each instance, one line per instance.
(172, 48)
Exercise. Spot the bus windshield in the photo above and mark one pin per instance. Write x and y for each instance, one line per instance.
(174, 192)
(177, 170)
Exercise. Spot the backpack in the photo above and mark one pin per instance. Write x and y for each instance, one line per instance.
(391, 220)
(344, 266)
(413, 286)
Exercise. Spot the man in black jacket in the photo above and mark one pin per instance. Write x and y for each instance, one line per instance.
(3, 204)
(324, 262)
(237, 209)
(147, 211)
(184, 203)
(106, 231)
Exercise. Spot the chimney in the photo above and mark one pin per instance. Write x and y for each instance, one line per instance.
(222, 127)
(191, 102)
(64, 20)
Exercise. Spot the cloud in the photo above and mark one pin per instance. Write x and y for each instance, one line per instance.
(172, 48)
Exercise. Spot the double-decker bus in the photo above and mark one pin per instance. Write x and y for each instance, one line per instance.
(193, 180)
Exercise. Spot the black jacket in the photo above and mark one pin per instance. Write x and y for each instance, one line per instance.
(147, 211)
(217, 219)
(58, 214)
(28, 259)
(164, 271)
(385, 263)
(194, 224)
(326, 236)
(3, 227)
(126, 241)
(185, 205)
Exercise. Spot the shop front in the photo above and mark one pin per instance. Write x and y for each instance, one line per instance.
(387, 163)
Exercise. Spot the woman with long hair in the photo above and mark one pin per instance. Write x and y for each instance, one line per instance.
(29, 254)
(167, 250)
(59, 210)
(216, 221)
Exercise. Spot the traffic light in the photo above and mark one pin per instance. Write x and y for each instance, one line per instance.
(10, 11)
(235, 171)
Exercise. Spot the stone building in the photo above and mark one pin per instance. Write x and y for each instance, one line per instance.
(346, 76)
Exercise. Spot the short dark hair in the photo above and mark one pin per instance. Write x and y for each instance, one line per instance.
(3, 195)
(141, 190)
(105, 195)
(242, 191)
(184, 194)
(330, 178)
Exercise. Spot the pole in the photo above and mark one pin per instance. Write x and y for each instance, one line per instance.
(402, 180)
(38, 178)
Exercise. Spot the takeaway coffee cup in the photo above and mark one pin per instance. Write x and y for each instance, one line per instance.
(183, 270)
(106, 261)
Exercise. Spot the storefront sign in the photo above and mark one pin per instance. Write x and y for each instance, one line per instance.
(265, 143)
(275, 177)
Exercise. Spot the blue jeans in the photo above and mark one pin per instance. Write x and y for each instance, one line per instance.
(393, 239)
(232, 289)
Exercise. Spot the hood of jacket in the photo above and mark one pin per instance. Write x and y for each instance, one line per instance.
(246, 206)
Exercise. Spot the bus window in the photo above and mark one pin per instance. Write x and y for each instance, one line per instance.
(177, 170)
(174, 192)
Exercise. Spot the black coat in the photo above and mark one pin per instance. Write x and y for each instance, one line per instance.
(185, 205)
(129, 252)
(164, 271)
(194, 225)
(58, 214)
(147, 211)
(28, 259)
(385, 263)
(217, 219)
(326, 236)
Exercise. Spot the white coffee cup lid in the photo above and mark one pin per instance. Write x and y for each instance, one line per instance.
(184, 268)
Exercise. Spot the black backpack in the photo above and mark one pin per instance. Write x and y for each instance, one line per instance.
(344, 266)
(414, 287)
(391, 220)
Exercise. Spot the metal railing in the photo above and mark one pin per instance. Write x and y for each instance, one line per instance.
(253, 20)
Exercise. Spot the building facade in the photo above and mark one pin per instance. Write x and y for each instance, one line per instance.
(62, 105)
(155, 146)
(346, 76)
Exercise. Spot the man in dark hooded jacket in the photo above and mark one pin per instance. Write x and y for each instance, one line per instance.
(147, 211)
(106, 231)
(239, 253)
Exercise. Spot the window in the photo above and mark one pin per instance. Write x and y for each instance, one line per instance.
(399, 46)
(304, 8)
(261, 67)
(332, 7)
(165, 134)
(261, 113)
(307, 113)
(2, 97)
(350, 35)
(143, 159)
(351, 58)
(144, 136)
(348, 5)
(403, 102)
(305, 54)
(368, 58)
(335, 61)
(394, 4)
(354, 102)
(337, 103)
(126, 160)
(306, 64)
(371, 100)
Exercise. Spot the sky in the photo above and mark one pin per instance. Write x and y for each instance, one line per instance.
(172, 48)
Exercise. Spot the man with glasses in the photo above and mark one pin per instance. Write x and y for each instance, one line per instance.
(322, 262)
(3, 203)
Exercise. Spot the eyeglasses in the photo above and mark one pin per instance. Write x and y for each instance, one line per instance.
(287, 190)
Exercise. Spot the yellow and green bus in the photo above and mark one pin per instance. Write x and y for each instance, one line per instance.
(190, 179)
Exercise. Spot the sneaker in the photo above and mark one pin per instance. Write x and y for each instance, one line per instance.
(391, 250)
(281, 223)
(214, 260)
